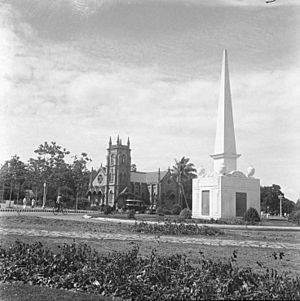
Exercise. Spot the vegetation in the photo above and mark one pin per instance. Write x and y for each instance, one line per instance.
(107, 209)
(154, 277)
(182, 172)
(169, 228)
(269, 200)
(294, 217)
(131, 214)
(160, 211)
(121, 203)
(176, 209)
(50, 167)
(185, 214)
(251, 215)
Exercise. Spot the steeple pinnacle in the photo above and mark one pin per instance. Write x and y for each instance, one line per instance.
(109, 143)
(225, 147)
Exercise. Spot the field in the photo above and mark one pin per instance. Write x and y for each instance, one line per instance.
(53, 232)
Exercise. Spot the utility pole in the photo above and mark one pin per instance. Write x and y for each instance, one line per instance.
(280, 204)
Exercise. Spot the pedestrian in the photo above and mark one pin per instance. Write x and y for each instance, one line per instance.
(24, 203)
(58, 201)
(32, 203)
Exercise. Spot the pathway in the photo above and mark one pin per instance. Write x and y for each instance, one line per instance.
(143, 237)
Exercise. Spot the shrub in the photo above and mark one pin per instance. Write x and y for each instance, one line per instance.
(121, 204)
(160, 211)
(251, 215)
(174, 228)
(107, 209)
(294, 217)
(95, 208)
(176, 209)
(129, 276)
(167, 211)
(185, 213)
(83, 204)
(131, 214)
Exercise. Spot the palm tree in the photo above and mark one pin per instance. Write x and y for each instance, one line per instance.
(181, 172)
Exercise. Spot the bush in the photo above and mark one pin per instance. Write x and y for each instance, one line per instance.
(174, 228)
(185, 214)
(121, 204)
(160, 211)
(107, 209)
(129, 276)
(176, 209)
(131, 214)
(83, 204)
(251, 215)
(294, 217)
(167, 211)
(95, 208)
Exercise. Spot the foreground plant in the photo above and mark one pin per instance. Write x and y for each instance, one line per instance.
(169, 228)
(127, 275)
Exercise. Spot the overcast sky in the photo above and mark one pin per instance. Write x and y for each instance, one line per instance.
(79, 71)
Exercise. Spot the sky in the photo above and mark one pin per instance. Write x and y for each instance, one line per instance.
(79, 71)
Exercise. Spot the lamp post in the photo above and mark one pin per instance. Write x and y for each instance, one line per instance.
(280, 204)
(44, 196)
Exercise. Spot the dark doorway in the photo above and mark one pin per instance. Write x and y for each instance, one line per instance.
(205, 202)
(240, 203)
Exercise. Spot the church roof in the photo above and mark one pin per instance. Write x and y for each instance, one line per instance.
(146, 177)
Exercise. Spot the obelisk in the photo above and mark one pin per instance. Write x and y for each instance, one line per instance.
(225, 156)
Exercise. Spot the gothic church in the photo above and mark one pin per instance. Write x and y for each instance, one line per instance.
(120, 179)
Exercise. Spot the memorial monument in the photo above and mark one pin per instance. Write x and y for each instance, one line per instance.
(225, 192)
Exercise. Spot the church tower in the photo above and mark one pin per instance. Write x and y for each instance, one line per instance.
(118, 169)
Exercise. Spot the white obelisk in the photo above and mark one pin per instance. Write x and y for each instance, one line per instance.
(225, 155)
(226, 192)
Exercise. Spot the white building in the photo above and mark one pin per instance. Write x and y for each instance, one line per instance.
(225, 192)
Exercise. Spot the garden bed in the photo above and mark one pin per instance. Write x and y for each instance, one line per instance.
(128, 275)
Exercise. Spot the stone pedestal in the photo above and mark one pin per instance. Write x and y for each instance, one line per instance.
(225, 196)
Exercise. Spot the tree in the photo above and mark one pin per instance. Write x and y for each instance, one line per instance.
(182, 172)
(270, 201)
(80, 175)
(53, 167)
(12, 176)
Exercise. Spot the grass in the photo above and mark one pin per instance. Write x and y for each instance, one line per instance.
(24, 292)
(246, 257)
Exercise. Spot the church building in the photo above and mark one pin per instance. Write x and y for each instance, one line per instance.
(119, 178)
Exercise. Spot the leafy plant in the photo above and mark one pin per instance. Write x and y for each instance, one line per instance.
(132, 277)
(131, 214)
(176, 209)
(251, 215)
(160, 211)
(107, 209)
(294, 217)
(185, 213)
(169, 228)
(121, 203)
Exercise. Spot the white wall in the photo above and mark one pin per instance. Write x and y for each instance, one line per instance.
(223, 195)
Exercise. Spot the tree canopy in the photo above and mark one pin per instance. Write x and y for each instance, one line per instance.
(50, 166)
(182, 172)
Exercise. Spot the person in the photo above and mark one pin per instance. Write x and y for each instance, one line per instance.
(58, 201)
(24, 203)
(32, 203)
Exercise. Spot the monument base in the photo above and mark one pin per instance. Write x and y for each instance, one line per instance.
(225, 196)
